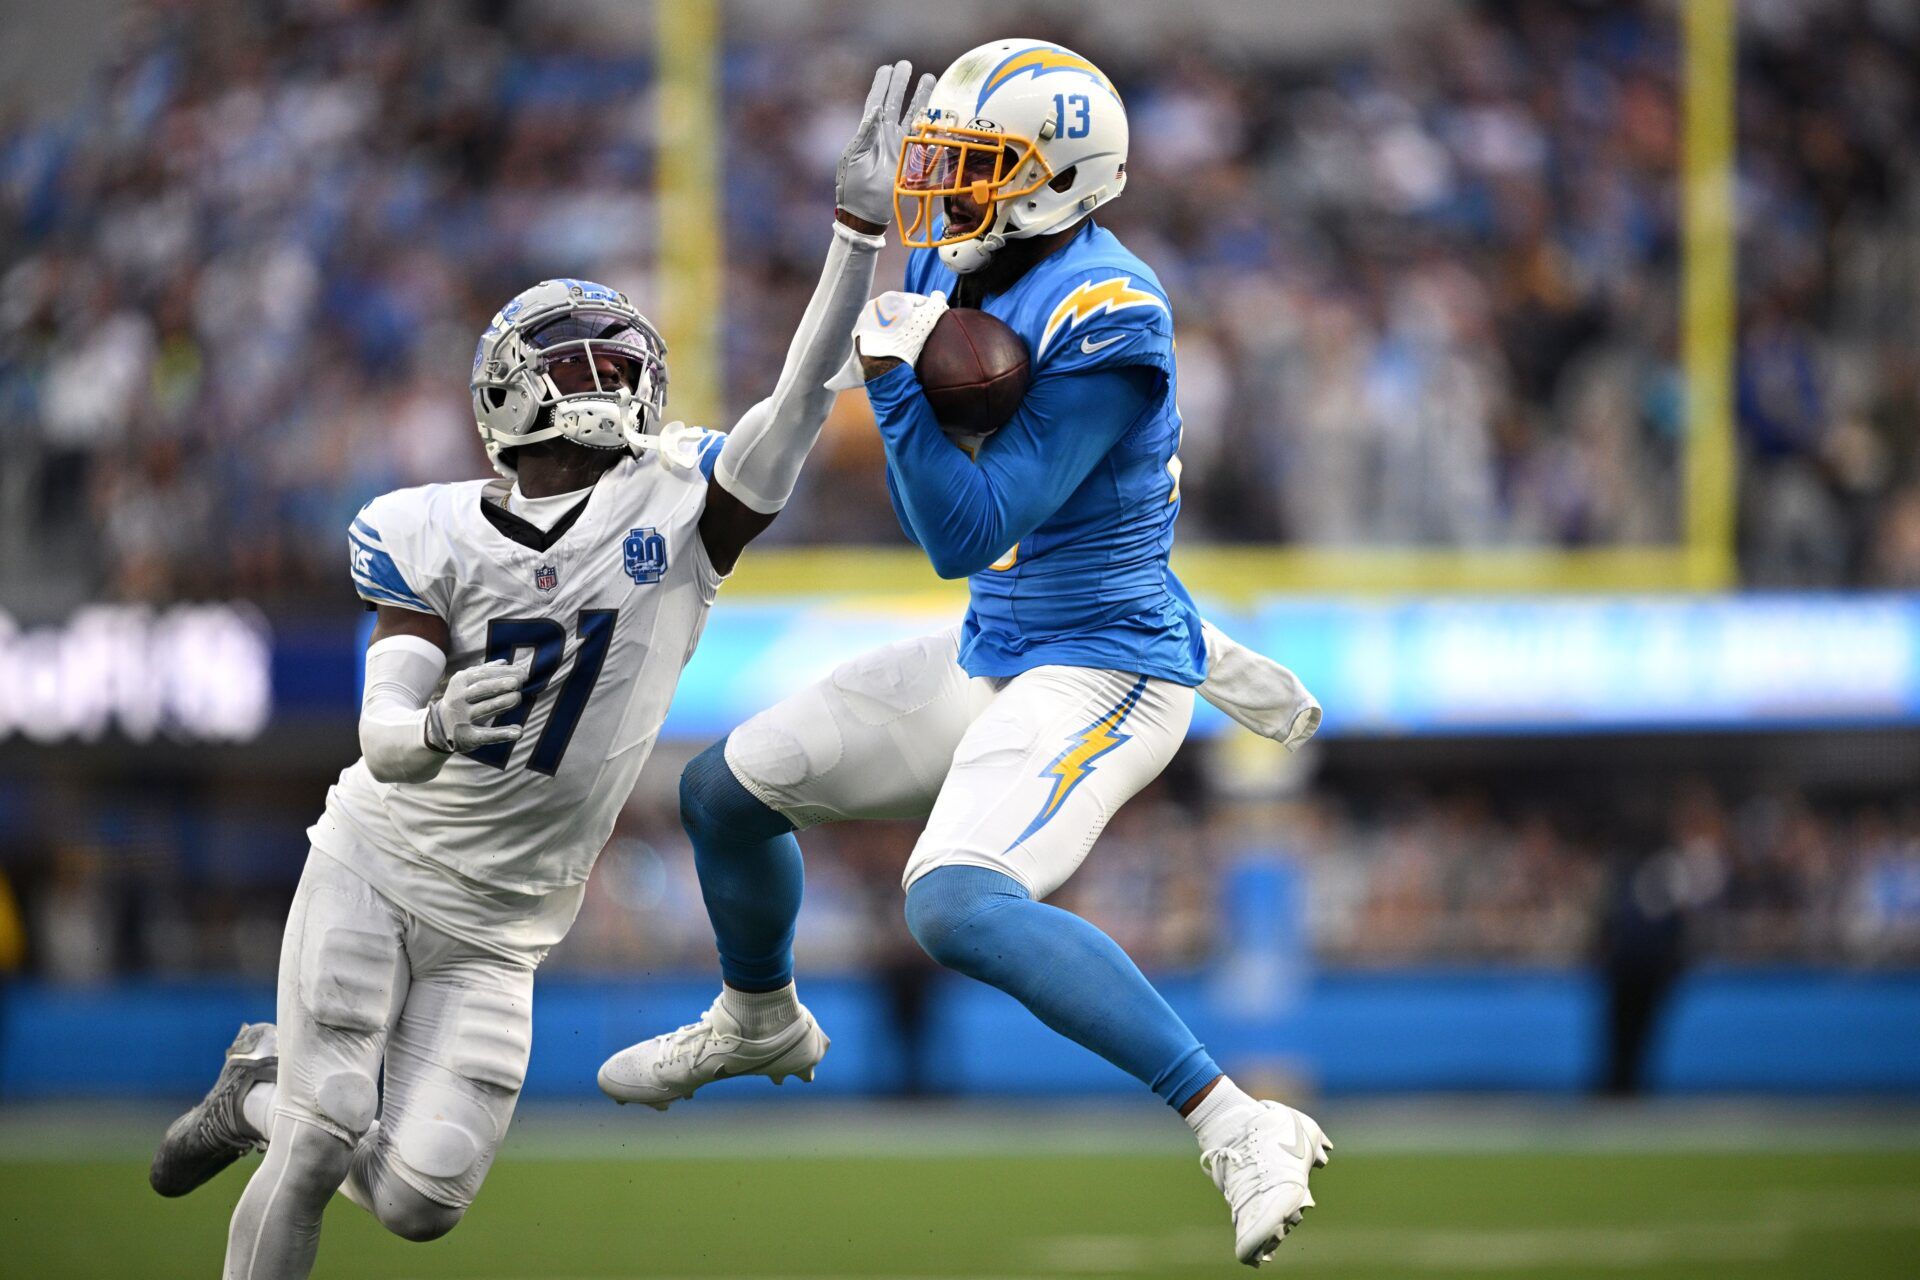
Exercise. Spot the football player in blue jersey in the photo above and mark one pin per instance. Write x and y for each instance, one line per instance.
(1070, 683)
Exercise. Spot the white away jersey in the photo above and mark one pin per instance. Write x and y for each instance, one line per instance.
(601, 621)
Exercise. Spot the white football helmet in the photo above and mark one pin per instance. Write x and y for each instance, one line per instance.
(1032, 133)
(516, 400)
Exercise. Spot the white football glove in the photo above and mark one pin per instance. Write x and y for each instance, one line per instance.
(863, 183)
(894, 324)
(474, 694)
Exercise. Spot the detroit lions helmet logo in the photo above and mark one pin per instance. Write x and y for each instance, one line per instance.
(645, 553)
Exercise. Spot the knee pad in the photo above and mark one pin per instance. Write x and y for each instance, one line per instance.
(412, 1216)
(713, 802)
(949, 909)
(348, 1098)
(780, 750)
(445, 1135)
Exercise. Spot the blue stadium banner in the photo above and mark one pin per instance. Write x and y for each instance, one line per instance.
(1381, 667)
(1616, 663)
(1447, 666)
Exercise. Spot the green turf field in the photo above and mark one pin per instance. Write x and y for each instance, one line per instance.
(1005, 1213)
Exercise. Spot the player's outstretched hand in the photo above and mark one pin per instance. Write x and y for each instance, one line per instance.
(893, 327)
(474, 694)
(863, 184)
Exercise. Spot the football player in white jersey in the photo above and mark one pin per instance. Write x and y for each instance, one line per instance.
(530, 633)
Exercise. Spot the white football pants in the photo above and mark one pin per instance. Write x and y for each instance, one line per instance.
(1019, 775)
(380, 1009)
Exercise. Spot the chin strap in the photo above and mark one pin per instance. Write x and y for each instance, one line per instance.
(677, 444)
(984, 247)
(969, 256)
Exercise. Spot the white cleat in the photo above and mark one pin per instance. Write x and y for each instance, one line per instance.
(1263, 1174)
(667, 1068)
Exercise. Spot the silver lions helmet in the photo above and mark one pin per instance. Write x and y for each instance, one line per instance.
(569, 360)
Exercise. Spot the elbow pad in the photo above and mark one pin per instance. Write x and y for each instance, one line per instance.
(402, 673)
(760, 461)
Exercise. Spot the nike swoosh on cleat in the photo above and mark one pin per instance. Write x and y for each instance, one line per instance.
(1089, 346)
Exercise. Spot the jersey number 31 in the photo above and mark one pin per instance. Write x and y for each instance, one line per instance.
(506, 637)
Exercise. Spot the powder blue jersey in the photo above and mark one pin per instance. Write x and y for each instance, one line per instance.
(1090, 585)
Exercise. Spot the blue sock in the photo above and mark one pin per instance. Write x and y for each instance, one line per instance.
(750, 872)
(1072, 977)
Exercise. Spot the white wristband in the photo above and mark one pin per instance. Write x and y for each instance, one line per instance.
(846, 232)
(402, 674)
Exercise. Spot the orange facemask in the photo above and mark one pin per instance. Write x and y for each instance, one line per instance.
(939, 161)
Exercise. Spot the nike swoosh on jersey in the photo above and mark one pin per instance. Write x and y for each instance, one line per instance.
(1089, 346)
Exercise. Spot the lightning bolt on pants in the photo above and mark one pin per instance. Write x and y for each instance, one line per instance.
(1044, 766)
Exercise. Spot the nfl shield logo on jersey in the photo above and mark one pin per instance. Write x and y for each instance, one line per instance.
(646, 555)
(546, 577)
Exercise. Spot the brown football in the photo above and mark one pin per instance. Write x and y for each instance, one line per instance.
(974, 371)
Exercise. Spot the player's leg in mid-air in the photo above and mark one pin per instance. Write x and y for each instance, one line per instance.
(872, 740)
(1034, 781)
(366, 991)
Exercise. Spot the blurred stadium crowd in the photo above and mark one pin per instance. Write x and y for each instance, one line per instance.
(1427, 292)
(1425, 874)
